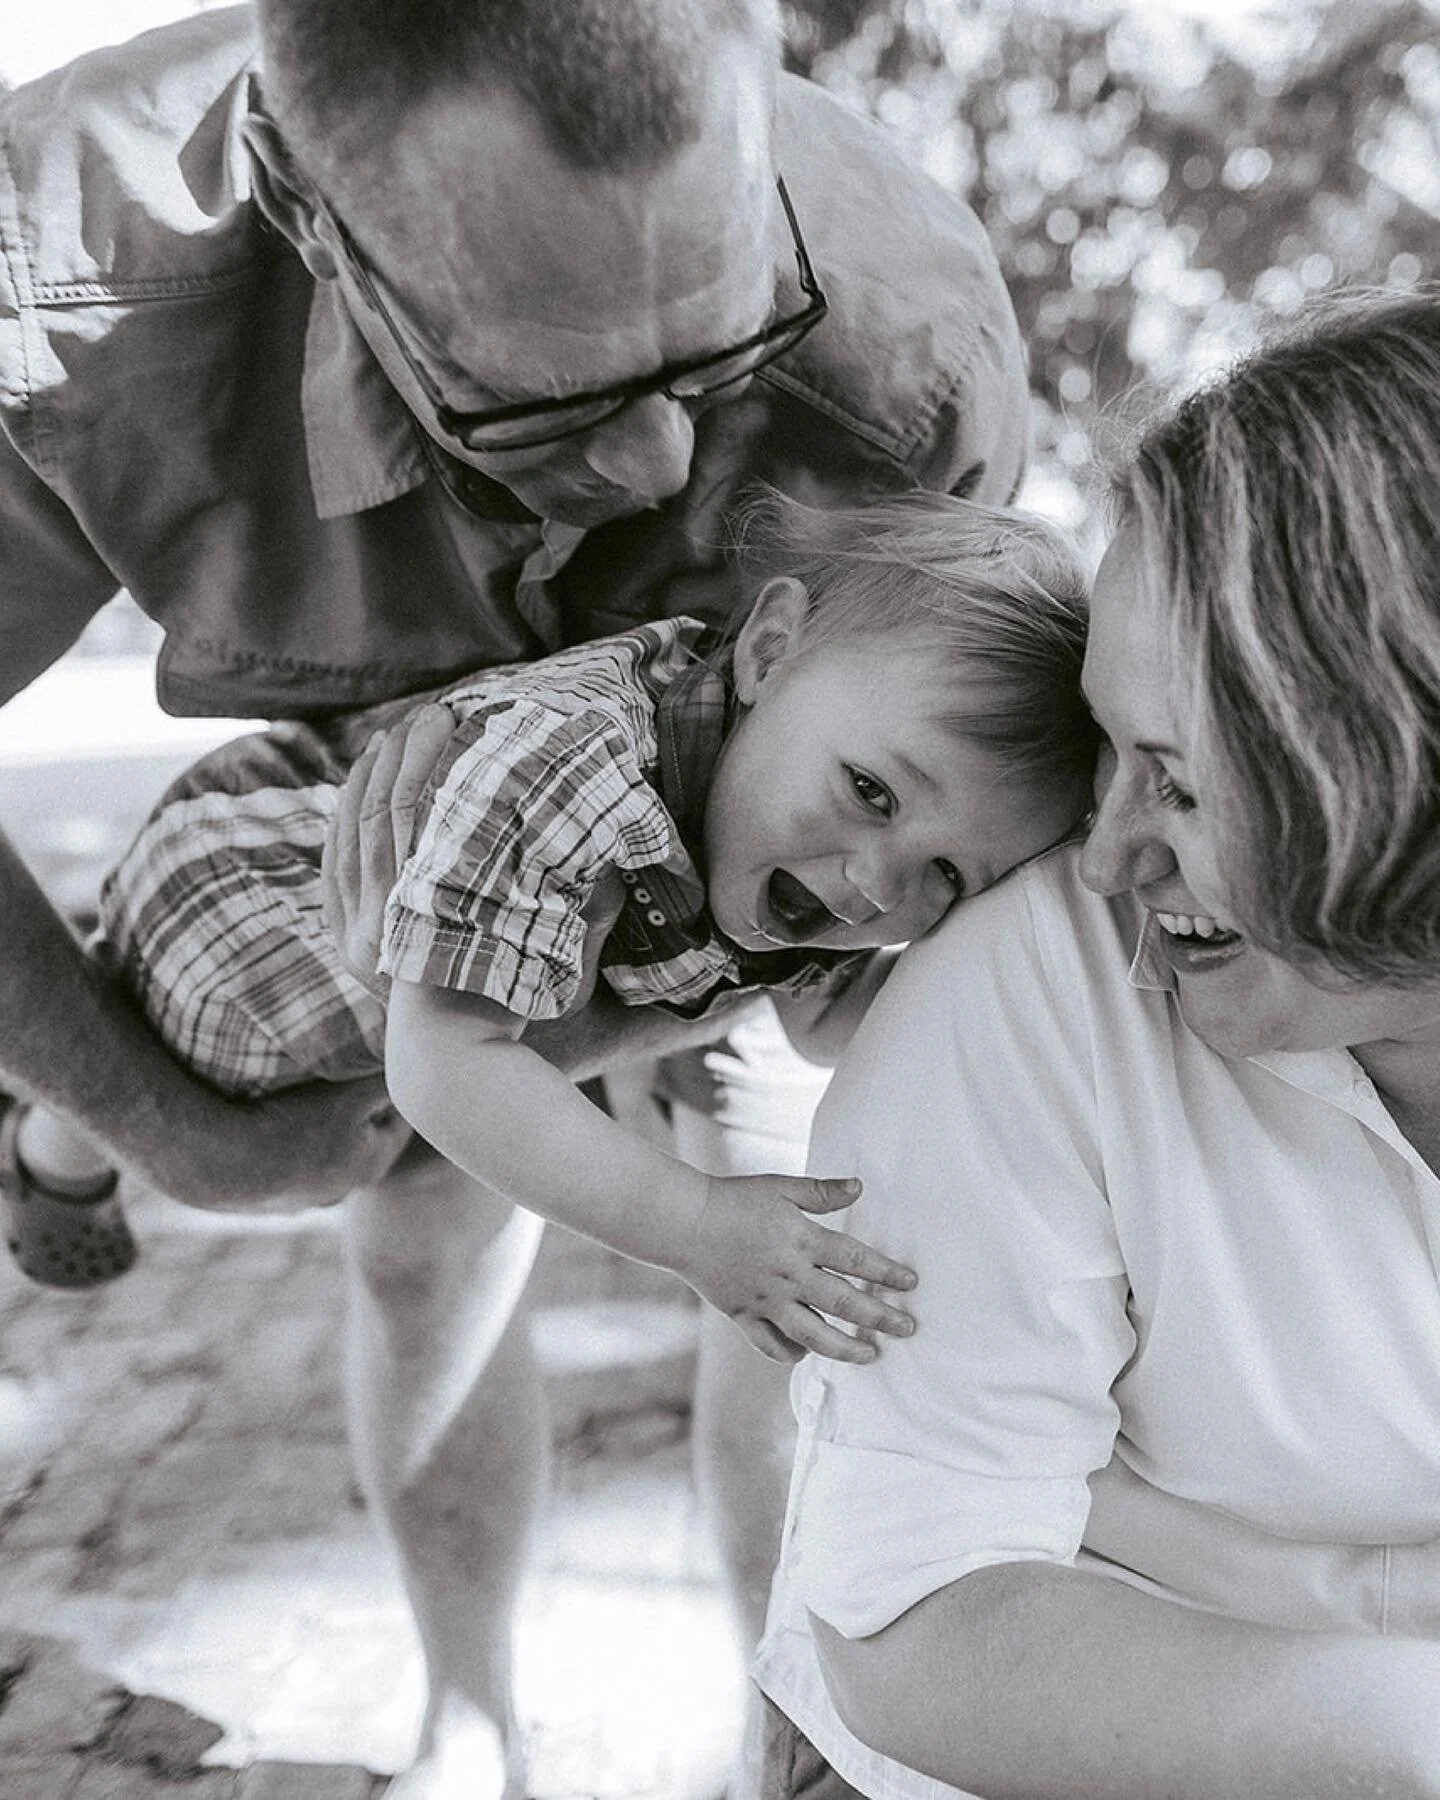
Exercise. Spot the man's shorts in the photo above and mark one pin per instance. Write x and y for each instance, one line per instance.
(214, 920)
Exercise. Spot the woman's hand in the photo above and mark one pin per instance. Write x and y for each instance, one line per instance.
(368, 837)
(757, 1256)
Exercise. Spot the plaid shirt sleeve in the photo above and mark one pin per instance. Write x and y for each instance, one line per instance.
(532, 806)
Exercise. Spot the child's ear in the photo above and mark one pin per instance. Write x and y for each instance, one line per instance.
(770, 634)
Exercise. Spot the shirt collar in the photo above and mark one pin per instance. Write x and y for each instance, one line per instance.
(1149, 970)
(692, 720)
(360, 443)
(363, 446)
(359, 437)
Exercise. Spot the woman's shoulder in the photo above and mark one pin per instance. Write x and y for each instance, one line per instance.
(1008, 977)
(1041, 923)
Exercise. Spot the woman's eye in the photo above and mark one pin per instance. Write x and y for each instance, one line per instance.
(871, 793)
(1169, 793)
(951, 875)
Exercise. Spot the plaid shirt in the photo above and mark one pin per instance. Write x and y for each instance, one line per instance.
(595, 759)
(599, 758)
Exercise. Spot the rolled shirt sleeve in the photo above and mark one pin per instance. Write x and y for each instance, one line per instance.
(966, 1106)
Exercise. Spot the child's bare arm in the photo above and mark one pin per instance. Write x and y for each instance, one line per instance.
(747, 1245)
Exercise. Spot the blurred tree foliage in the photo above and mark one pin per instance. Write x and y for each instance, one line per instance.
(1155, 187)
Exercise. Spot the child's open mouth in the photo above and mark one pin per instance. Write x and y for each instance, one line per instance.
(799, 915)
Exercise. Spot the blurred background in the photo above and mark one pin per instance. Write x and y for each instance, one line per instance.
(1160, 178)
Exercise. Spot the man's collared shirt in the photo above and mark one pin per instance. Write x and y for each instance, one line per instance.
(1177, 1321)
(186, 413)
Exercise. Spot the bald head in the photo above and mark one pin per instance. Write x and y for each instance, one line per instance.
(616, 86)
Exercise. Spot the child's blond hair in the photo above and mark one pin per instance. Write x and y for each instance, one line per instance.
(999, 596)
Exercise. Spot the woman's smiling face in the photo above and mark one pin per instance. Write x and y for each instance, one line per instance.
(1160, 832)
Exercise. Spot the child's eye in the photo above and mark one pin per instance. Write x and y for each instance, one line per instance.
(1169, 793)
(952, 875)
(871, 793)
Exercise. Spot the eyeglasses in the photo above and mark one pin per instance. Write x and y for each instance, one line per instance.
(527, 424)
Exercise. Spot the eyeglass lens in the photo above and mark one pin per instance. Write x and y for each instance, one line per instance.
(522, 433)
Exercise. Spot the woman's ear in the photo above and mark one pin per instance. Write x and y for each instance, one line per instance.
(282, 197)
(769, 635)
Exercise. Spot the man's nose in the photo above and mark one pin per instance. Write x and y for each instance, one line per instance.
(645, 448)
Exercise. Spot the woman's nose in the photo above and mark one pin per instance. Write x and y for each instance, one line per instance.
(645, 448)
(1103, 860)
(1120, 853)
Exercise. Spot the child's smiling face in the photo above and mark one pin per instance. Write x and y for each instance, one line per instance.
(845, 811)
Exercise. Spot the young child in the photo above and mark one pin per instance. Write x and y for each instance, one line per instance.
(897, 723)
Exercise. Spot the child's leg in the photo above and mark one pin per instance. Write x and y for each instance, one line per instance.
(63, 1222)
(212, 921)
(55, 1151)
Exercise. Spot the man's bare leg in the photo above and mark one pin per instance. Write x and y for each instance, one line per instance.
(451, 1440)
(744, 1442)
(764, 1100)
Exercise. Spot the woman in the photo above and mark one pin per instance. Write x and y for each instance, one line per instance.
(1150, 1504)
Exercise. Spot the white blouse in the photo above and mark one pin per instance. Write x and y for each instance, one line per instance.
(1178, 1318)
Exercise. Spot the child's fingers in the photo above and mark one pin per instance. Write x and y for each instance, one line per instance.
(377, 805)
(770, 1342)
(814, 1194)
(363, 828)
(846, 1255)
(829, 1294)
(810, 1331)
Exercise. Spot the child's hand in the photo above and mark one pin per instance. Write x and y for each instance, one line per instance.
(758, 1258)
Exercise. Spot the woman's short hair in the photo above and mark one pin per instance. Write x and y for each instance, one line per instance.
(1000, 597)
(1291, 515)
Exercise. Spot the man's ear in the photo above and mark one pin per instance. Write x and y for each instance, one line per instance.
(282, 196)
(769, 635)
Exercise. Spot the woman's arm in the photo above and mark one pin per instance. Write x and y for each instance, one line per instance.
(1030, 1680)
(459, 1073)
